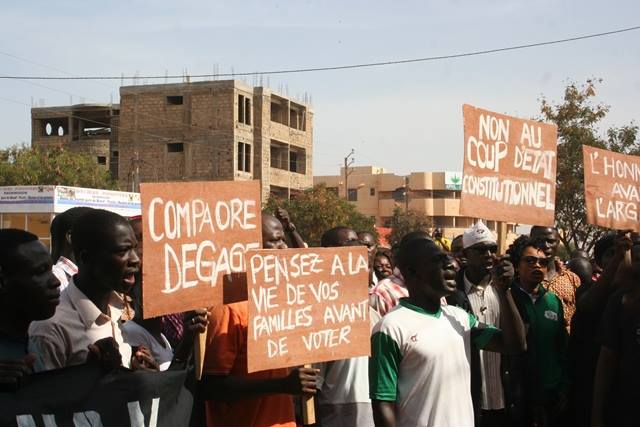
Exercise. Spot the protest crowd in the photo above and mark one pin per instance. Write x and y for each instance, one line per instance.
(461, 335)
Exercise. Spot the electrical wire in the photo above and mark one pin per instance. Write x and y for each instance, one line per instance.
(337, 67)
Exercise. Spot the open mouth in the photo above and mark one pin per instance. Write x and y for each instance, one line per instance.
(129, 279)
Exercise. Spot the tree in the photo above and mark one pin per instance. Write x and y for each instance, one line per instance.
(577, 117)
(21, 165)
(319, 209)
(403, 222)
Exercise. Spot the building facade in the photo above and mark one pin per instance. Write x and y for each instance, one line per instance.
(84, 128)
(204, 131)
(376, 193)
(33, 207)
(215, 130)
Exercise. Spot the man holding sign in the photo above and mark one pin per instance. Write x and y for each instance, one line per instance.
(235, 397)
(419, 370)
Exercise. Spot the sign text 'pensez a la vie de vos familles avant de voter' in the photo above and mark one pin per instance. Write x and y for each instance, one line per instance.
(509, 168)
(306, 306)
(195, 238)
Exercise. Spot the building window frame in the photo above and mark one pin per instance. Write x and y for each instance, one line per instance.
(244, 157)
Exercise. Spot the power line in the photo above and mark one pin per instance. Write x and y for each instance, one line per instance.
(337, 67)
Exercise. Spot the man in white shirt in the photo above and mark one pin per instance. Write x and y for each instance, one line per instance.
(419, 369)
(61, 249)
(91, 307)
(344, 384)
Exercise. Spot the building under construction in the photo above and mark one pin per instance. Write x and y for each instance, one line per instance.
(203, 131)
(85, 128)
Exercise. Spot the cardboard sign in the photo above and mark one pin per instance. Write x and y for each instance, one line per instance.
(306, 306)
(195, 238)
(509, 168)
(611, 188)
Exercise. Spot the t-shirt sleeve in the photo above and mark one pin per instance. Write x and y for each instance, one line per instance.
(384, 367)
(481, 333)
(224, 341)
(609, 332)
(48, 354)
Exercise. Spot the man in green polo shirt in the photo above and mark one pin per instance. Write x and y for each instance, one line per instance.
(420, 366)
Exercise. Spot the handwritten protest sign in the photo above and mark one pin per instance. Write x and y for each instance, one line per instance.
(307, 306)
(509, 168)
(611, 189)
(195, 238)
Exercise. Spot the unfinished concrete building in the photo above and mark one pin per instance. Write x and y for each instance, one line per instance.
(214, 130)
(85, 128)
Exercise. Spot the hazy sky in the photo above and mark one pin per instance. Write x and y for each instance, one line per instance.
(403, 117)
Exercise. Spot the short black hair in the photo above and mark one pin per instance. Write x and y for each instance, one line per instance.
(538, 228)
(410, 253)
(10, 239)
(63, 222)
(413, 235)
(602, 246)
(385, 253)
(329, 238)
(519, 245)
(93, 228)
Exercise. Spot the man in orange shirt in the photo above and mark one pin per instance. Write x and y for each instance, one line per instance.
(235, 397)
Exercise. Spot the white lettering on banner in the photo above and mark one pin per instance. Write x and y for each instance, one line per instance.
(192, 218)
(517, 193)
(306, 306)
(202, 263)
(93, 419)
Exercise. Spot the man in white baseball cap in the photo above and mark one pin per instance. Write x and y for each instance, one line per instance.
(477, 293)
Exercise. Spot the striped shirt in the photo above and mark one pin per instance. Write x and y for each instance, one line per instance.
(386, 294)
(485, 303)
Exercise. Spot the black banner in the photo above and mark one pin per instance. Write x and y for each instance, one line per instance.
(82, 396)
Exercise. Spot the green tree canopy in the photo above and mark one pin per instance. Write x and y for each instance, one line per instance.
(319, 209)
(578, 118)
(403, 222)
(21, 165)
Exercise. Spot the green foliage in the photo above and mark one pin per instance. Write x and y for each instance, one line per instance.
(319, 209)
(577, 117)
(403, 222)
(21, 165)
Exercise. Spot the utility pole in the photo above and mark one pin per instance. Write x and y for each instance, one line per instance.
(135, 181)
(406, 194)
(348, 161)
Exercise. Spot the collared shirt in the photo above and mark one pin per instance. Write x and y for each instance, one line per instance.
(485, 303)
(63, 339)
(64, 270)
(564, 285)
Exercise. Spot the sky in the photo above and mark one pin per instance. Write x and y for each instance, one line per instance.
(405, 118)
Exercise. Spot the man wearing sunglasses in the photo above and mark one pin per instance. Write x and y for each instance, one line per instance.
(477, 293)
(542, 373)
